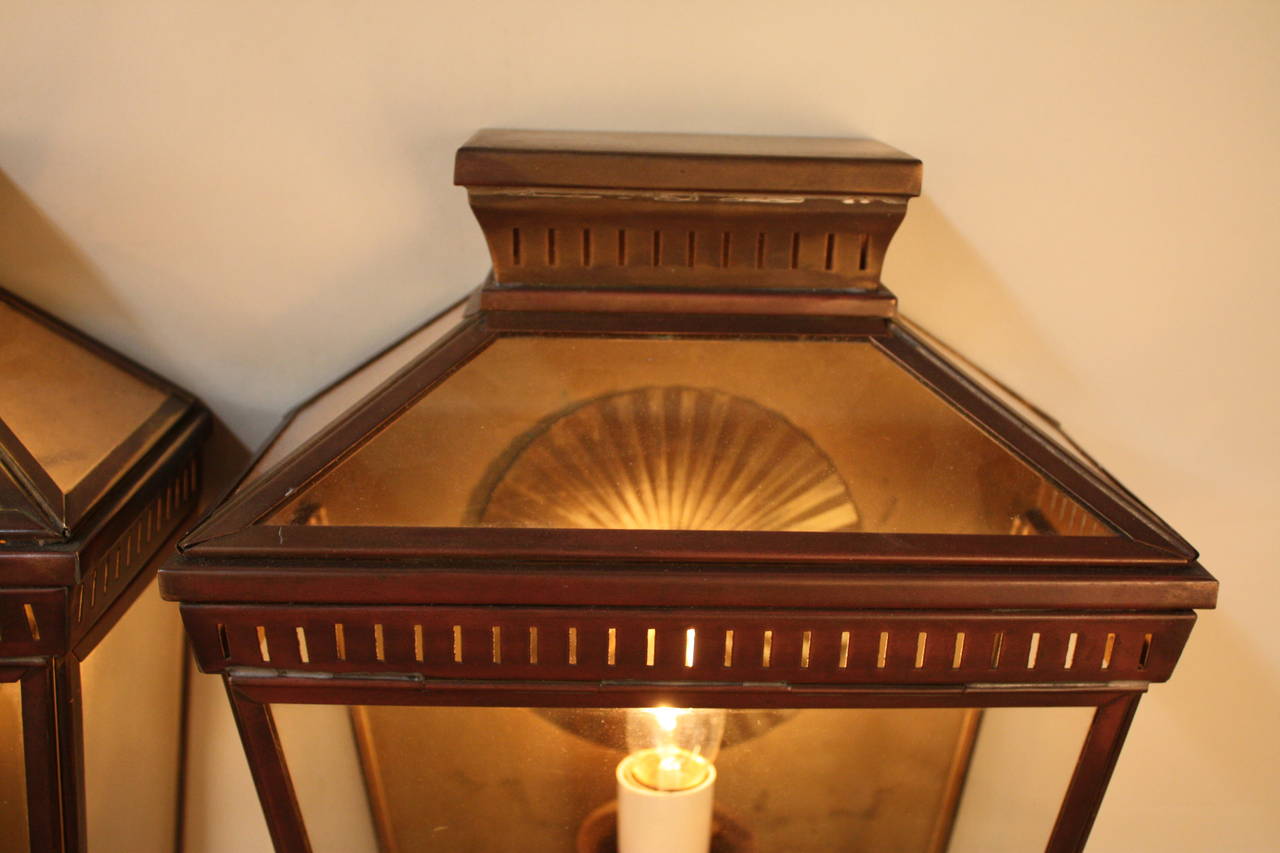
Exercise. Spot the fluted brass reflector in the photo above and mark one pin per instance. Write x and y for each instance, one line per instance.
(669, 458)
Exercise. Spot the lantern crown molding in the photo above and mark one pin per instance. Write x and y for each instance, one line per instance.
(742, 218)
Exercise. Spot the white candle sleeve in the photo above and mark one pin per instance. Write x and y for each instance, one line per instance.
(652, 821)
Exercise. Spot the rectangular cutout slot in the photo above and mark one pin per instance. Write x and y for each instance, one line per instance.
(1070, 659)
(728, 646)
(1034, 651)
(651, 642)
(533, 644)
(496, 633)
(379, 650)
(997, 646)
(1108, 650)
(766, 651)
(340, 640)
(806, 640)
(613, 647)
(921, 639)
(957, 654)
(690, 638)
(882, 653)
(1146, 651)
(573, 646)
(844, 650)
(32, 625)
(457, 644)
(417, 643)
(263, 648)
(303, 654)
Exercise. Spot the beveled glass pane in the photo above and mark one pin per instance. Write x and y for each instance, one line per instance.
(711, 434)
(13, 775)
(67, 405)
(318, 412)
(1009, 398)
(1030, 413)
(486, 779)
(73, 418)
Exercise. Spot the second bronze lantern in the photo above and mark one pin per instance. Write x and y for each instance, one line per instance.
(99, 471)
(679, 478)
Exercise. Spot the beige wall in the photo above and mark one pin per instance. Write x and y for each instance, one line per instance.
(250, 197)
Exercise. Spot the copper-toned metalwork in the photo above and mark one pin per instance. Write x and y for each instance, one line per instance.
(97, 471)
(457, 533)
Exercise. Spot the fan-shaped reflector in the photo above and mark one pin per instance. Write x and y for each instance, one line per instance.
(669, 458)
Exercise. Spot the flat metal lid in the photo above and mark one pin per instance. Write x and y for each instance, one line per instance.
(685, 161)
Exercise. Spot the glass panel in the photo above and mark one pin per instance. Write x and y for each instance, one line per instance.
(486, 779)
(1021, 766)
(695, 434)
(321, 410)
(13, 773)
(68, 406)
(1033, 415)
(131, 685)
(1025, 409)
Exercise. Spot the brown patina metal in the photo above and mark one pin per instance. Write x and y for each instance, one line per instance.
(686, 238)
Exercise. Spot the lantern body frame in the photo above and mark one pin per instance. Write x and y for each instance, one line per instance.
(442, 615)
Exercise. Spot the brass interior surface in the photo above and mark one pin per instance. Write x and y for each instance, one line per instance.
(910, 461)
(485, 779)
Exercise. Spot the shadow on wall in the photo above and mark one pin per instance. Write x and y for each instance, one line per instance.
(39, 262)
(944, 283)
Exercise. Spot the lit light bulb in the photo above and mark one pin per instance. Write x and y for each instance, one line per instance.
(666, 785)
(672, 749)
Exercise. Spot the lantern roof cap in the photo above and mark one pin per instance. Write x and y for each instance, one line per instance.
(685, 161)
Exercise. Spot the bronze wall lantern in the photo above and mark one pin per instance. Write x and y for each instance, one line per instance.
(98, 468)
(679, 453)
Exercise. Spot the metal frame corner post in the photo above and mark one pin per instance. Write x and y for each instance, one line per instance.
(270, 773)
(1093, 771)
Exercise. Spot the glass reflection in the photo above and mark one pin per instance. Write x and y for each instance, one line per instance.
(486, 779)
(620, 433)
